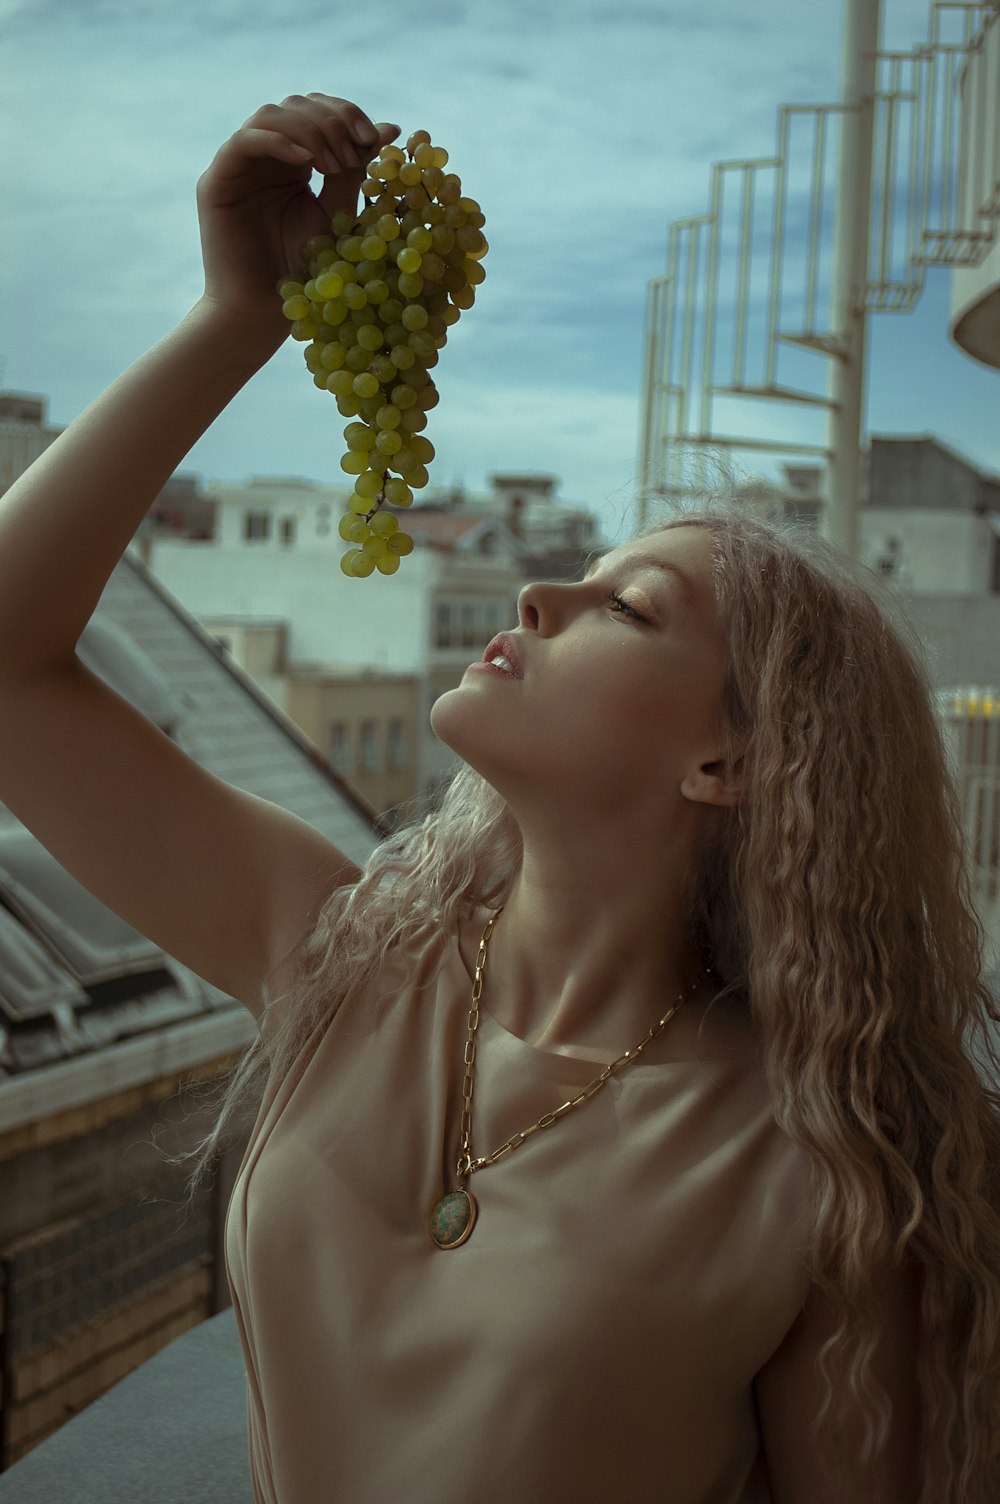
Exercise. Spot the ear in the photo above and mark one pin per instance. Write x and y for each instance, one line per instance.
(714, 783)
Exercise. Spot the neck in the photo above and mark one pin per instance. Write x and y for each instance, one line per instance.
(588, 969)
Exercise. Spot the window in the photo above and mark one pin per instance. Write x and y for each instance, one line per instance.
(340, 747)
(256, 525)
(397, 743)
(287, 530)
(369, 747)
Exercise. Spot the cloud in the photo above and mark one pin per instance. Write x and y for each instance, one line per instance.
(583, 129)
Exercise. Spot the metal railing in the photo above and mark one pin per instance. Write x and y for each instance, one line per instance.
(935, 201)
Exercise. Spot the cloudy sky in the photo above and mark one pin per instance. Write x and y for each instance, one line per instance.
(584, 127)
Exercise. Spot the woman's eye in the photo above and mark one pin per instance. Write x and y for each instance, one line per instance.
(624, 607)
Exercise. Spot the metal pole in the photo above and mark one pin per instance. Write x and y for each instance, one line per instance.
(846, 384)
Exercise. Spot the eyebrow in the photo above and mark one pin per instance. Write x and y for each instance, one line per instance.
(647, 561)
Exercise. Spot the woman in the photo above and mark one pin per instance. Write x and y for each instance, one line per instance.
(703, 833)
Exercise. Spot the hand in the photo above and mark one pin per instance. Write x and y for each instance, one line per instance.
(256, 208)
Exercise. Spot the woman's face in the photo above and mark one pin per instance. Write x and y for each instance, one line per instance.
(612, 711)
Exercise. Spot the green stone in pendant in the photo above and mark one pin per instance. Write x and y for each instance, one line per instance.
(453, 1218)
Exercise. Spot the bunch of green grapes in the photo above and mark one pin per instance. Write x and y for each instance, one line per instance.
(381, 295)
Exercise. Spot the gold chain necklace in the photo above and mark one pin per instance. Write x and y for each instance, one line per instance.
(454, 1215)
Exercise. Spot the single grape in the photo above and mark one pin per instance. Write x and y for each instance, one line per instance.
(404, 461)
(388, 563)
(368, 483)
(377, 291)
(334, 312)
(408, 259)
(388, 416)
(354, 295)
(370, 337)
(418, 477)
(358, 359)
(346, 271)
(413, 419)
(422, 344)
(391, 311)
(403, 396)
(411, 284)
(464, 297)
(433, 268)
(359, 505)
(289, 289)
(355, 461)
(423, 154)
(388, 441)
(440, 157)
(388, 168)
(329, 285)
(449, 192)
(401, 543)
(332, 356)
(342, 223)
(402, 357)
(383, 370)
(359, 436)
(340, 383)
(418, 138)
(409, 174)
(431, 178)
(357, 528)
(348, 406)
(387, 226)
(304, 329)
(369, 407)
(422, 448)
(297, 307)
(475, 273)
(365, 384)
(344, 526)
(384, 524)
(398, 492)
(414, 317)
(350, 248)
(347, 561)
(433, 214)
(373, 248)
(393, 153)
(451, 314)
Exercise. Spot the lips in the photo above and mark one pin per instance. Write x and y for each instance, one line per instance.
(503, 643)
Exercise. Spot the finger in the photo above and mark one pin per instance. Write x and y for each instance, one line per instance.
(298, 127)
(253, 142)
(349, 132)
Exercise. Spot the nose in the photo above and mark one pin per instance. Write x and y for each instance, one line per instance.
(533, 599)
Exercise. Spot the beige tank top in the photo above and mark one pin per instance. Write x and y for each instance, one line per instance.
(631, 1269)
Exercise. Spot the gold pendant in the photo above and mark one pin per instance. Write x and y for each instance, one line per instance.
(453, 1219)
